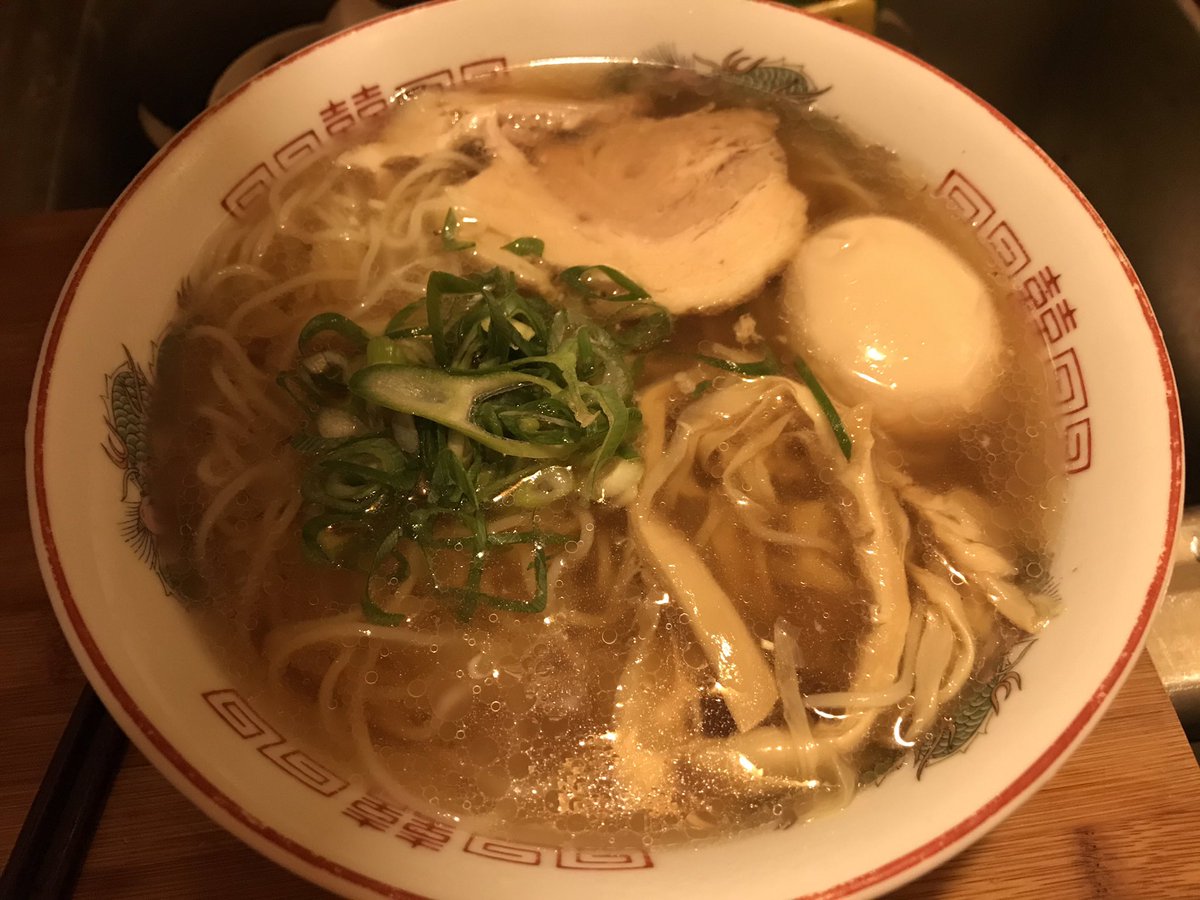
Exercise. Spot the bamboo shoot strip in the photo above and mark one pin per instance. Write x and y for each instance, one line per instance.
(746, 682)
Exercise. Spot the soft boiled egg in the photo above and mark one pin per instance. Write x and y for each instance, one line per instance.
(888, 315)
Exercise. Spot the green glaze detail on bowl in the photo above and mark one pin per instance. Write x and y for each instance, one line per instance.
(771, 76)
(127, 396)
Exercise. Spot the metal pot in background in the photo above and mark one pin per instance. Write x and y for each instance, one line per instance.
(1174, 640)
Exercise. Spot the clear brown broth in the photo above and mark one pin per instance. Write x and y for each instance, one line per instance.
(527, 752)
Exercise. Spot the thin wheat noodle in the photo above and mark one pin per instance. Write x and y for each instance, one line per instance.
(223, 498)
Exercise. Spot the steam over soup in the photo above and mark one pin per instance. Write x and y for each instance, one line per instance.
(606, 454)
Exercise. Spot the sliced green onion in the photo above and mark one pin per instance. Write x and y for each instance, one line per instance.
(769, 365)
(314, 445)
(438, 287)
(388, 564)
(449, 400)
(508, 538)
(618, 481)
(385, 350)
(335, 323)
(617, 414)
(543, 487)
(331, 539)
(578, 282)
(493, 396)
(535, 604)
(302, 391)
(640, 326)
(326, 369)
(835, 421)
(402, 315)
(526, 246)
(346, 472)
(337, 423)
(333, 492)
(450, 239)
(377, 615)
(451, 482)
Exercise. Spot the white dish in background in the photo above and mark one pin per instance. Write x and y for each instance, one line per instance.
(262, 55)
(157, 676)
(265, 53)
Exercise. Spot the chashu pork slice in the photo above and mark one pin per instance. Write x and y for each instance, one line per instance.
(697, 208)
(438, 120)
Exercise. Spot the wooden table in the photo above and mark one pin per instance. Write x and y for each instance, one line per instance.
(1122, 818)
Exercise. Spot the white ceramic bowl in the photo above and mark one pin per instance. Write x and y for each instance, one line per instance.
(1117, 401)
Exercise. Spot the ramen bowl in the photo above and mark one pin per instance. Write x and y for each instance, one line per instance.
(1115, 400)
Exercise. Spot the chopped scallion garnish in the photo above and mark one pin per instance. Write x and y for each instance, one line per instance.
(498, 395)
(769, 365)
(580, 280)
(334, 323)
(450, 239)
(526, 246)
(827, 407)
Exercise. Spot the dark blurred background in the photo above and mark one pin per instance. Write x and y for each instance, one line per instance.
(1110, 89)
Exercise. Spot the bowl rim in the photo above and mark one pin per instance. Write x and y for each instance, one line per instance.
(304, 860)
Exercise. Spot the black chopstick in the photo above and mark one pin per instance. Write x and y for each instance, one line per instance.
(54, 840)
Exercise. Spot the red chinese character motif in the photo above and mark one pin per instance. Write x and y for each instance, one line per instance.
(369, 101)
(1041, 288)
(299, 765)
(422, 831)
(1008, 249)
(1069, 382)
(1042, 293)
(372, 812)
(1057, 321)
(966, 200)
(238, 714)
(1079, 446)
(504, 851)
(337, 117)
(1055, 315)
(570, 858)
(242, 196)
(297, 149)
(482, 68)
